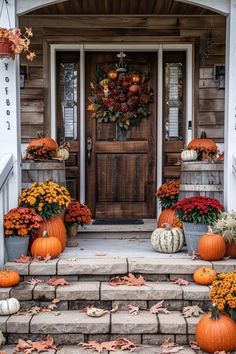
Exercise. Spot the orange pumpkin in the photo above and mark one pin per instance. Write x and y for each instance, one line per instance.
(42, 246)
(8, 278)
(54, 227)
(168, 216)
(203, 145)
(47, 142)
(216, 333)
(204, 275)
(230, 250)
(211, 247)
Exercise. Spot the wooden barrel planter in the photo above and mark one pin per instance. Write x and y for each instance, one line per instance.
(201, 178)
(34, 171)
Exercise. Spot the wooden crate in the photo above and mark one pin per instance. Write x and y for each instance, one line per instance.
(33, 171)
(201, 178)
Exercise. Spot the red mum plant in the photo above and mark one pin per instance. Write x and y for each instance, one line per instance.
(77, 213)
(199, 210)
(21, 222)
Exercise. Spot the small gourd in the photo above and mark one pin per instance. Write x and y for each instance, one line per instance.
(204, 275)
(167, 239)
(189, 155)
(9, 306)
(63, 152)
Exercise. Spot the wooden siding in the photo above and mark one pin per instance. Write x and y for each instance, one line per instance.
(208, 99)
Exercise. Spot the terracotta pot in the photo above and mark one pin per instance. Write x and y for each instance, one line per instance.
(5, 48)
(54, 227)
(167, 217)
(230, 250)
(72, 233)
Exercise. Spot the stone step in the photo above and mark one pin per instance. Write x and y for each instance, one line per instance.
(70, 327)
(76, 349)
(95, 267)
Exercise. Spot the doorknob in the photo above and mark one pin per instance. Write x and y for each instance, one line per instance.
(89, 148)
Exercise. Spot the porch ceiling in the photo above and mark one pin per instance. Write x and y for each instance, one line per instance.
(122, 7)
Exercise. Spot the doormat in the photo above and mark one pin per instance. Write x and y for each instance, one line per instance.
(118, 222)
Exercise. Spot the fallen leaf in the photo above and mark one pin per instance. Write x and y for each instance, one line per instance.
(118, 344)
(95, 312)
(42, 259)
(125, 344)
(100, 254)
(34, 310)
(33, 281)
(56, 301)
(50, 307)
(181, 282)
(133, 281)
(116, 281)
(157, 308)
(194, 255)
(47, 258)
(167, 343)
(115, 308)
(172, 350)
(192, 311)
(133, 310)
(23, 259)
(193, 345)
(29, 346)
(57, 281)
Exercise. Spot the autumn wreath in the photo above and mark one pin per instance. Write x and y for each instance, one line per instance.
(120, 97)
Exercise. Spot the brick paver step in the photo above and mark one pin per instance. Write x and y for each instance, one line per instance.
(120, 322)
(116, 265)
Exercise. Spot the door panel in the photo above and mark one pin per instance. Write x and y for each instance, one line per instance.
(121, 172)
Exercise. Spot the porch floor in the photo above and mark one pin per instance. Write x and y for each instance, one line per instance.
(125, 248)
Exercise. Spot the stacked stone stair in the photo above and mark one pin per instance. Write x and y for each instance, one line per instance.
(88, 285)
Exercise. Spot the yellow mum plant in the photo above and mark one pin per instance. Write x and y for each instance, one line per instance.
(46, 198)
(223, 292)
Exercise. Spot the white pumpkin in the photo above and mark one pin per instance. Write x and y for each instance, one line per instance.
(63, 153)
(9, 306)
(167, 239)
(189, 155)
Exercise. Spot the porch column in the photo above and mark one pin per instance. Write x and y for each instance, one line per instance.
(230, 112)
(10, 107)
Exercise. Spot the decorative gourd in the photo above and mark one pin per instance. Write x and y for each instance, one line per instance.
(63, 153)
(211, 247)
(9, 306)
(8, 278)
(216, 333)
(204, 275)
(48, 142)
(42, 246)
(167, 217)
(168, 239)
(54, 227)
(189, 155)
(203, 145)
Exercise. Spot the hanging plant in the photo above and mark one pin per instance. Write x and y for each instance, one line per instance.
(120, 97)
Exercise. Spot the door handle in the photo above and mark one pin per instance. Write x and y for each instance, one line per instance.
(89, 149)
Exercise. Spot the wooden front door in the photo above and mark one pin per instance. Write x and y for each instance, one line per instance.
(121, 170)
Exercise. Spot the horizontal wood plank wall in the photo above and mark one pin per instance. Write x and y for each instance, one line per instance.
(209, 100)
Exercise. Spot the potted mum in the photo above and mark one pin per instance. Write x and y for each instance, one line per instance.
(76, 214)
(196, 213)
(48, 199)
(168, 194)
(13, 42)
(226, 226)
(19, 224)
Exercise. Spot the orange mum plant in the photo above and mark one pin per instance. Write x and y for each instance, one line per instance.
(223, 292)
(21, 222)
(77, 213)
(168, 193)
(46, 198)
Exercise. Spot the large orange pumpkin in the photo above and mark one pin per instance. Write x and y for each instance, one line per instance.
(211, 247)
(203, 145)
(216, 333)
(54, 227)
(230, 250)
(8, 278)
(168, 216)
(45, 245)
(47, 142)
(204, 275)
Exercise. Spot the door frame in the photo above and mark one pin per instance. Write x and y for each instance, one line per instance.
(159, 49)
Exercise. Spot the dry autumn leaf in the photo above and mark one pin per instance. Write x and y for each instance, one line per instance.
(125, 344)
(27, 347)
(23, 259)
(115, 308)
(157, 308)
(57, 281)
(192, 311)
(167, 343)
(56, 301)
(133, 310)
(42, 259)
(181, 282)
(131, 280)
(194, 255)
(193, 345)
(118, 344)
(172, 350)
(116, 281)
(33, 281)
